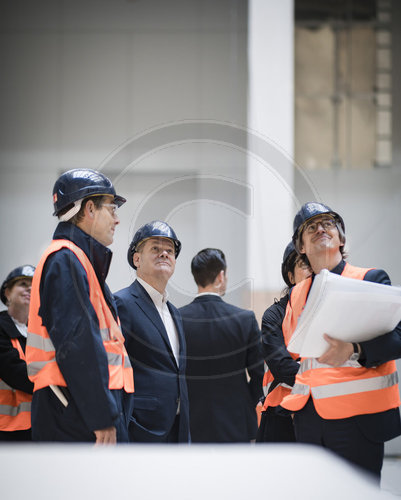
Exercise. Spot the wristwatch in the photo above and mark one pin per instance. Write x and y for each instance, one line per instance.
(357, 352)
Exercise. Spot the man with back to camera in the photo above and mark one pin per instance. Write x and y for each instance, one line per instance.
(75, 350)
(155, 339)
(347, 400)
(223, 346)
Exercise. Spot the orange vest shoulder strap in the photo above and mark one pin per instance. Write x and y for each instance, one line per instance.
(295, 305)
(354, 272)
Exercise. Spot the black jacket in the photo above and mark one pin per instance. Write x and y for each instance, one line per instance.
(223, 345)
(12, 367)
(159, 381)
(73, 327)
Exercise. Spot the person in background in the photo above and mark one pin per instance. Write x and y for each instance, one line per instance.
(155, 339)
(282, 365)
(224, 360)
(347, 399)
(75, 349)
(15, 387)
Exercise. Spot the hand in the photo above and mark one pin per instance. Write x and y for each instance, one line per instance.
(338, 352)
(106, 436)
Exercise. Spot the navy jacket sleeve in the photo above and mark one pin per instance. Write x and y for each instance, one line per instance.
(388, 346)
(12, 368)
(73, 327)
(278, 359)
(255, 362)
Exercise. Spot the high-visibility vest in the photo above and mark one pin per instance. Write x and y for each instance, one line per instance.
(15, 405)
(338, 392)
(40, 354)
(276, 395)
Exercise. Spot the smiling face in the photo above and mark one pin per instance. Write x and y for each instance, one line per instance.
(155, 261)
(320, 237)
(19, 294)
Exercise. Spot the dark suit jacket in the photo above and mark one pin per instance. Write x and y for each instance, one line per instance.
(223, 342)
(159, 382)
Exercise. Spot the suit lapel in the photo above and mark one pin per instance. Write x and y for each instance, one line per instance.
(178, 325)
(148, 307)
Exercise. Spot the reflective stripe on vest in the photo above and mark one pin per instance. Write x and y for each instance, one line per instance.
(267, 380)
(344, 391)
(354, 387)
(274, 397)
(43, 369)
(15, 405)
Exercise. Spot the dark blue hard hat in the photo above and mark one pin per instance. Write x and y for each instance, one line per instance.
(310, 210)
(16, 274)
(289, 253)
(81, 183)
(154, 229)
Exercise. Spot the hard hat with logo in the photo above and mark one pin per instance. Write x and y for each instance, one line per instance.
(154, 229)
(81, 183)
(309, 211)
(20, 272)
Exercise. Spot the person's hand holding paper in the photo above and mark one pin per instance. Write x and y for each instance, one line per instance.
(345, 309)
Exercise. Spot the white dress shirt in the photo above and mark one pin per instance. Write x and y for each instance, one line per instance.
(160, 301)
(21, 327)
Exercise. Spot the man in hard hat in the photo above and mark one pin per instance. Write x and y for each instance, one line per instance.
(15, 387)
(224, 358)
(347, 400)
(75, 350)
(154, 338)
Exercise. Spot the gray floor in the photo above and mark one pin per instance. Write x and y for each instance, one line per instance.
(391, 475)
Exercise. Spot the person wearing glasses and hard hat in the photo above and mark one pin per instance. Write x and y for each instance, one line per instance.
(346, 400)
(75, 350)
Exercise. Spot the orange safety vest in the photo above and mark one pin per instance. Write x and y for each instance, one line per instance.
(281, 390)
(15, 405)
(338, 392)
(43, 369)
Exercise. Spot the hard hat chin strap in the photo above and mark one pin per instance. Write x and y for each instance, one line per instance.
(72, 211)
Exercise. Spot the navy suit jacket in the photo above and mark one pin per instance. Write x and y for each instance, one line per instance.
(223, 345)
(159, 383)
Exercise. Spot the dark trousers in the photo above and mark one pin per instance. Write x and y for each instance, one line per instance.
(342, 436)
(53, 422)
(25, 435)
(275, 428)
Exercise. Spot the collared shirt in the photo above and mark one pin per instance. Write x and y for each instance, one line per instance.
(207, 293)
(21, 327)
(160, 302)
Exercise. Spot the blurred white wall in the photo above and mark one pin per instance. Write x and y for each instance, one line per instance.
(104, 84)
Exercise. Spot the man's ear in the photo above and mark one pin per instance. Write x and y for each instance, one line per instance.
(136, 259)
(89, 209)
(219, 281)
(301, 249)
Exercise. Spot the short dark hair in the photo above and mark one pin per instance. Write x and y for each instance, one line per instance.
(206, 265)
(98, 201)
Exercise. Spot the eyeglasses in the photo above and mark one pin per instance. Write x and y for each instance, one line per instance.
(112, 208)
(326, 224)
